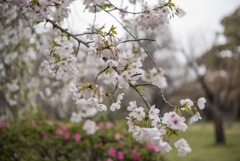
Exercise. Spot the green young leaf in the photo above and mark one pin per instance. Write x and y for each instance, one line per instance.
(84, 86)
(106, 71)
(108, 93)
(189, 110)
(54, 43)
(178, 111)
(141, 90)
(106, 44)
(169, 133)
(126, 66)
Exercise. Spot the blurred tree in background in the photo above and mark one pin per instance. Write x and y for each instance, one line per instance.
(220, 82)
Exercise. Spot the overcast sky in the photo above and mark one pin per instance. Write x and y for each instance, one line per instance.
(202, 17)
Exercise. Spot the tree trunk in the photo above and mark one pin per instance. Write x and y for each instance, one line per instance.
(219, 131)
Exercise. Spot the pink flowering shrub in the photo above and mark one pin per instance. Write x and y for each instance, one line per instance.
(59, 141)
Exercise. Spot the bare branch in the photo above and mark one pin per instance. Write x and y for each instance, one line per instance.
(116, 87)
(116, 8)
(100, 73)
(200, 78)
(94, 20)
(78, 49)
(68, 33)
(143, 97)
(134, 13)
(138, 40)
(86, 33)
(134, 75)
(160, 91)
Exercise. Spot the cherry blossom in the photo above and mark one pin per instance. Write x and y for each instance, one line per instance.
(76, 117)
(153, 112)
(195, 118)
(183, 147)
(138, 113)
(90, 127)
(174, 121)
(187, 103)
(201, 103)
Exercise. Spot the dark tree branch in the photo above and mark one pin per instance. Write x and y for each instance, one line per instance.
(94, 20)
(200, 78)
(78, 48)
(86, 33)
(100, 73)
(134, 13)
(116, 87)
(160, 91)
(138, 40)
(141, 95)
(55, 25)
(136, 75)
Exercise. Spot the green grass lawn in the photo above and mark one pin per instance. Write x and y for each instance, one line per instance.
(202, 141)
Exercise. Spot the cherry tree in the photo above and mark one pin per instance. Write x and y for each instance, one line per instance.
(114, 62)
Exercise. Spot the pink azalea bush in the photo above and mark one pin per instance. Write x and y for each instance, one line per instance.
(72, 143)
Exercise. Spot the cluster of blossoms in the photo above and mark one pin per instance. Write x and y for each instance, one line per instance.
(92, 5)
(89, 97)
(155, 77)
(188, 105)
(152, 17)
(105, 46)
(157, 129)
(130, 73)
(61, 62)
(41, 9)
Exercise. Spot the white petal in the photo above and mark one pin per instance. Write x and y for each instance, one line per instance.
(201, 103)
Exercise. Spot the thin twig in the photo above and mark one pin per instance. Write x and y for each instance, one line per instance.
(143, 97)
(86, 33)
(68, 33)
(116, 8)
(136, 75)
(100, 73)
(138, 40)
(116, 87)
(161, 92)
(94, 20)
(134, 13)
(78, 48)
